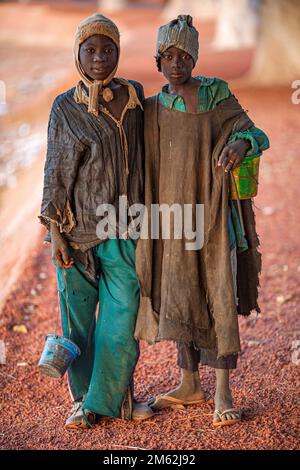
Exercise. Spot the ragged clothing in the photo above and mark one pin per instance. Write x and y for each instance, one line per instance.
(188, 296)
(189, 357)
(211, 93)
(102, 376)
(94, 160)
(85, 165)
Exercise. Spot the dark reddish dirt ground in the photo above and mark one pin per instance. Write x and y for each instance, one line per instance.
(266, 383)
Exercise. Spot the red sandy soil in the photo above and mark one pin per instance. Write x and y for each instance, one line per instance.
(34, 407)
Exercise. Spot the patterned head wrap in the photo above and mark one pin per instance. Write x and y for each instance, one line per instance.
(178, 33)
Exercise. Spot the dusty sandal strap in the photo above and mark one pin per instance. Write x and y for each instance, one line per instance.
(76, 406)
(86, 419)
(220, 414)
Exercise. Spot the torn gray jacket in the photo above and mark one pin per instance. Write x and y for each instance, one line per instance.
(85, 165)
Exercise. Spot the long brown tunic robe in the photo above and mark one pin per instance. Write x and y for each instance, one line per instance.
(188, 296)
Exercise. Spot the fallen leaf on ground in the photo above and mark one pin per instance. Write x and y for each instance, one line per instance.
(281, 299)
(254, 342)
(20, 329)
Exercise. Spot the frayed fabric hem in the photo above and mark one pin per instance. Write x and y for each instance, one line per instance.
(147, 323)
(65, 220)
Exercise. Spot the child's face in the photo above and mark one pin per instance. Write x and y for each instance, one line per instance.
(98, 56)
(176, 65)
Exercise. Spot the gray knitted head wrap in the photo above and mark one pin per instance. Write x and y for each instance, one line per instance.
(178, 33)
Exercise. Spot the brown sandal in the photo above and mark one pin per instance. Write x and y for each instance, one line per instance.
(226, 422)
(172, 402)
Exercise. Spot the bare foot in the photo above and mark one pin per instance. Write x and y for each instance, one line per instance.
(225, 414)
(188, 392)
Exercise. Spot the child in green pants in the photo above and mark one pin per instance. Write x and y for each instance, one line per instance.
(94, 157)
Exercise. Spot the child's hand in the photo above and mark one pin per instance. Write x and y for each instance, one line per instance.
(60, 252)
(233, 154)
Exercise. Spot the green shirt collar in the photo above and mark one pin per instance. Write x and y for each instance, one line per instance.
(169, 99)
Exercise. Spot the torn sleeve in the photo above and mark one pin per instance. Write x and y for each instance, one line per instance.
(245, 129)
(256, 137)
(63, 158)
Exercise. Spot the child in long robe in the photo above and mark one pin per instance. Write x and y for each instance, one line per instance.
(194, 130)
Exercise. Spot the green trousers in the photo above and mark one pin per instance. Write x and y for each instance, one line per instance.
(109, 353)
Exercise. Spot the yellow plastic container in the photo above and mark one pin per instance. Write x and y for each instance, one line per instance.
(246, 179)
